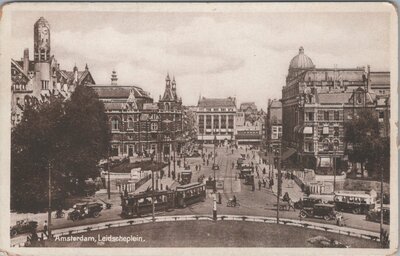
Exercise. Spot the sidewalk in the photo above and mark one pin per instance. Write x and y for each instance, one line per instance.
(288, 186)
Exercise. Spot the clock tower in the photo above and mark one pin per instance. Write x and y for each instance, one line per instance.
(41, 32)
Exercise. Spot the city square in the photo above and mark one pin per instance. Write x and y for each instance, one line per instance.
(302, 163)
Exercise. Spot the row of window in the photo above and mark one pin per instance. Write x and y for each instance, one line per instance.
(310, 116)
(216, 109)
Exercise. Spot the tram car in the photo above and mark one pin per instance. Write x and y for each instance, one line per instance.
(136, 205)
(140, 204)
(189, 194)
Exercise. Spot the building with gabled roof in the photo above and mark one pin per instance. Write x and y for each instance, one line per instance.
(140, 126)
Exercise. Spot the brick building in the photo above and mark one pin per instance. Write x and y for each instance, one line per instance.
(138, 124)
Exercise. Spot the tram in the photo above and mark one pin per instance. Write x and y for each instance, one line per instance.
(136, 205)
(189, 194)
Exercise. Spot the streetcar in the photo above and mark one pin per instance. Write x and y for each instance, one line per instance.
(140, 204)
(189, 194)
(186, 177)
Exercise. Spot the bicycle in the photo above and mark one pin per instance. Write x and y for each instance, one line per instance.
(232, 204)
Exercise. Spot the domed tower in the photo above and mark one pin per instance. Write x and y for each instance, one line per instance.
(299, 63)
(41, 34)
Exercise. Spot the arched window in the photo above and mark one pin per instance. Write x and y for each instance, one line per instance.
(114, 124)
(130, 123)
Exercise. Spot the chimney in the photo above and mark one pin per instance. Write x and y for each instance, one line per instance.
(26, 61)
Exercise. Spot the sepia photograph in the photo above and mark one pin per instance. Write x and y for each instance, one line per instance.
(248, 128)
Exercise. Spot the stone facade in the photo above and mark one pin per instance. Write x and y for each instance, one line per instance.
(317, 101)
(216, 119)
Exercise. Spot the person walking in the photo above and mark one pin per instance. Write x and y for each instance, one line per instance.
(45, 229)
(259, 184)
(264, 183)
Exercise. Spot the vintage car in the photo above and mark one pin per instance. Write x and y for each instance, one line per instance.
(23, 226)
(325, 211)
(215, 167)
(84, 210)
(307, 202)
(375, 215)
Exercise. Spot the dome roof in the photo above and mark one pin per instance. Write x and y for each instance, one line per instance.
(301, 61)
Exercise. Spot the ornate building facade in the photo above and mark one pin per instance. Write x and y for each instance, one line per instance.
(35, 80)
(139, 125)
(316, 102)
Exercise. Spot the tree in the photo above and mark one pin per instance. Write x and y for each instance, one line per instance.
(362, 132)
(86, 133)
(70, 136)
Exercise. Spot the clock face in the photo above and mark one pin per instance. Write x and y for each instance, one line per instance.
(43, 36)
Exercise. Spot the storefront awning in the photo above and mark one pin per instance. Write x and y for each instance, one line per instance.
(288, 153)
(297, 128)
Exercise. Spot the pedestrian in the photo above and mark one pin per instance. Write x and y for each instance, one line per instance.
(207, 162)
(197, 168)
(264, 183)
(45, 229)
(259, 184)
(264, 171)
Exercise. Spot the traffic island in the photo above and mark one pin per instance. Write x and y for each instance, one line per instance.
(205, 233)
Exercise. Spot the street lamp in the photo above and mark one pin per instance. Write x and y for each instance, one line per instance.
(215, 144)
(335, 145)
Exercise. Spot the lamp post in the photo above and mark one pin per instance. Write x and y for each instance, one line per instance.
(49, 210)
(215, 143)
(278, 153)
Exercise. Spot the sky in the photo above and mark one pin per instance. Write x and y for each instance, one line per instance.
(241, 54)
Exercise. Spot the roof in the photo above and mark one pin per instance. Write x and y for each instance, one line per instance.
(31, 64)
(217, 102)
(246, 105)
(117, 91)
(380, 78)
(276, 104)
(301, 61)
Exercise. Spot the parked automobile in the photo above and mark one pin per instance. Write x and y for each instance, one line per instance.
(375, 215)
(23, 226)
(307, 202)
(325, 211)
(215, 167)
(85, 210)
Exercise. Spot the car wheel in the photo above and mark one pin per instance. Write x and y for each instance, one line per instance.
(13, 232)
(367, 217)
(303, 215)
(326, 217)
(356, 210)
(74, 217)
(96, 214)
